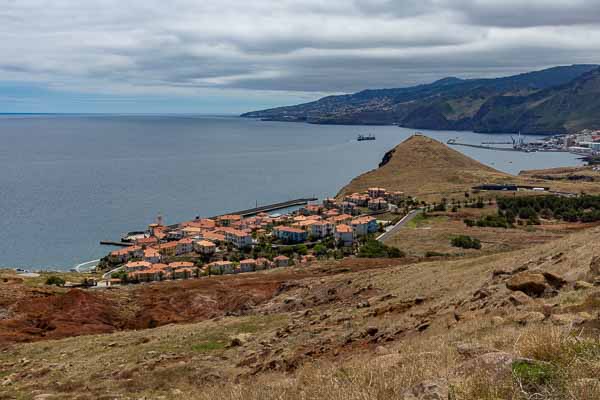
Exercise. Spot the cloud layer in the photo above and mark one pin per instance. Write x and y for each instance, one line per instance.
(187, 47)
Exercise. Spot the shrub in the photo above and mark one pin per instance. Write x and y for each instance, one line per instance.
(435, 254)
(55, 280)
(320, 250)
(374, 249)
(466, 242)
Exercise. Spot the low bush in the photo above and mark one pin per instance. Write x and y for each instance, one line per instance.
(55, 280)
(375, 249)
(466, 242)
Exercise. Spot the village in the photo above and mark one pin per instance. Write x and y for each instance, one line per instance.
(232, 244)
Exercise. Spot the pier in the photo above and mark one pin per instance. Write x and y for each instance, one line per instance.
(113, 243)
(479, 146)
(272, 207)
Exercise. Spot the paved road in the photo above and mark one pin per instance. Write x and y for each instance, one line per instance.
(109, 273)
(407, 218)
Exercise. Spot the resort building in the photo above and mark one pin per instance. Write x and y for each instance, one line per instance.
(205, 247)
(180, 264)
(137, 266)
(361, 200)
(375, 192)
(152, 255)
(362, 226)
(184, 273)
(168, 249)
(340, 219)
(228, 220)
(281, 261)
(126, 254)
(290, 235)
(248, 265)
(221, 267)
(236, 237)
(329, 202)
(378, 204)
(192, 231)
(214, 237)
(321, 229)
(344, 234)
(184, 246)
(146, 241)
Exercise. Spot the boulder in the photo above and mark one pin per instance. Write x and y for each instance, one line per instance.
(527, 317)
(371, 330)
(427, 390)
(595, 266)
(582, 285)
(556, 281)
(496, 364)
(469, 350)
(528, 283)
(363, 304)
(570, 319)
(519, 298)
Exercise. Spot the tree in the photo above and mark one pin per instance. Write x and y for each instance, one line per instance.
(301, 249)
(320, 250)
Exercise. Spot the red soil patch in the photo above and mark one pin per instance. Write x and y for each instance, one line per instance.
(41, 313)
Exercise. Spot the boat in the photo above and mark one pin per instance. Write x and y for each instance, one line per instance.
(360, 138)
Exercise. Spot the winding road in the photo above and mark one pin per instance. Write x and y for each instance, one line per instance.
(406, 219)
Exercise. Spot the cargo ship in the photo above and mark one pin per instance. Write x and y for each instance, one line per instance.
(360, 138)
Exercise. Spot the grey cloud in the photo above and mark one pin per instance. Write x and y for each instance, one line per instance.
(289, 45)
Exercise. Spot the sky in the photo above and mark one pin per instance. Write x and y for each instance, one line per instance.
(231, 56)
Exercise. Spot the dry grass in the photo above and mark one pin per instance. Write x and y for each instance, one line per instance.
(424, 235)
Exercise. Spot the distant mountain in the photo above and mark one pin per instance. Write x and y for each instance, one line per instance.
(553, 100)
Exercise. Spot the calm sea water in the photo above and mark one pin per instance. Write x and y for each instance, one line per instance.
(67, 182)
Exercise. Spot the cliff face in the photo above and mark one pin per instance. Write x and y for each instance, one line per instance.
(549, 101)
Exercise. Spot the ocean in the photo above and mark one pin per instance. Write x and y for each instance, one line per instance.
(69, 181)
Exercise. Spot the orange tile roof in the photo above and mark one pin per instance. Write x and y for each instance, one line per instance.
(205, 243)
(136, 264)
(213, 236)
(181, 264)
(231, 217)
(343, 228)
(289, 229)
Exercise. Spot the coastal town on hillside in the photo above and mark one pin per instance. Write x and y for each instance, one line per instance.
(231, 244)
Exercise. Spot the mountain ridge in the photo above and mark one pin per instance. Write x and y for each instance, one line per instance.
(538, 102)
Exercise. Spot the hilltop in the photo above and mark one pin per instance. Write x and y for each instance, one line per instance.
(553, 100)
(425, 168)
(422, 167)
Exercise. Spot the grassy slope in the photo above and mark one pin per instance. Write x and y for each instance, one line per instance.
(311, 336)
(422, 166)
(429, 170)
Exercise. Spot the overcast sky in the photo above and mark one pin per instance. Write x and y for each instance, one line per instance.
(228, 56)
